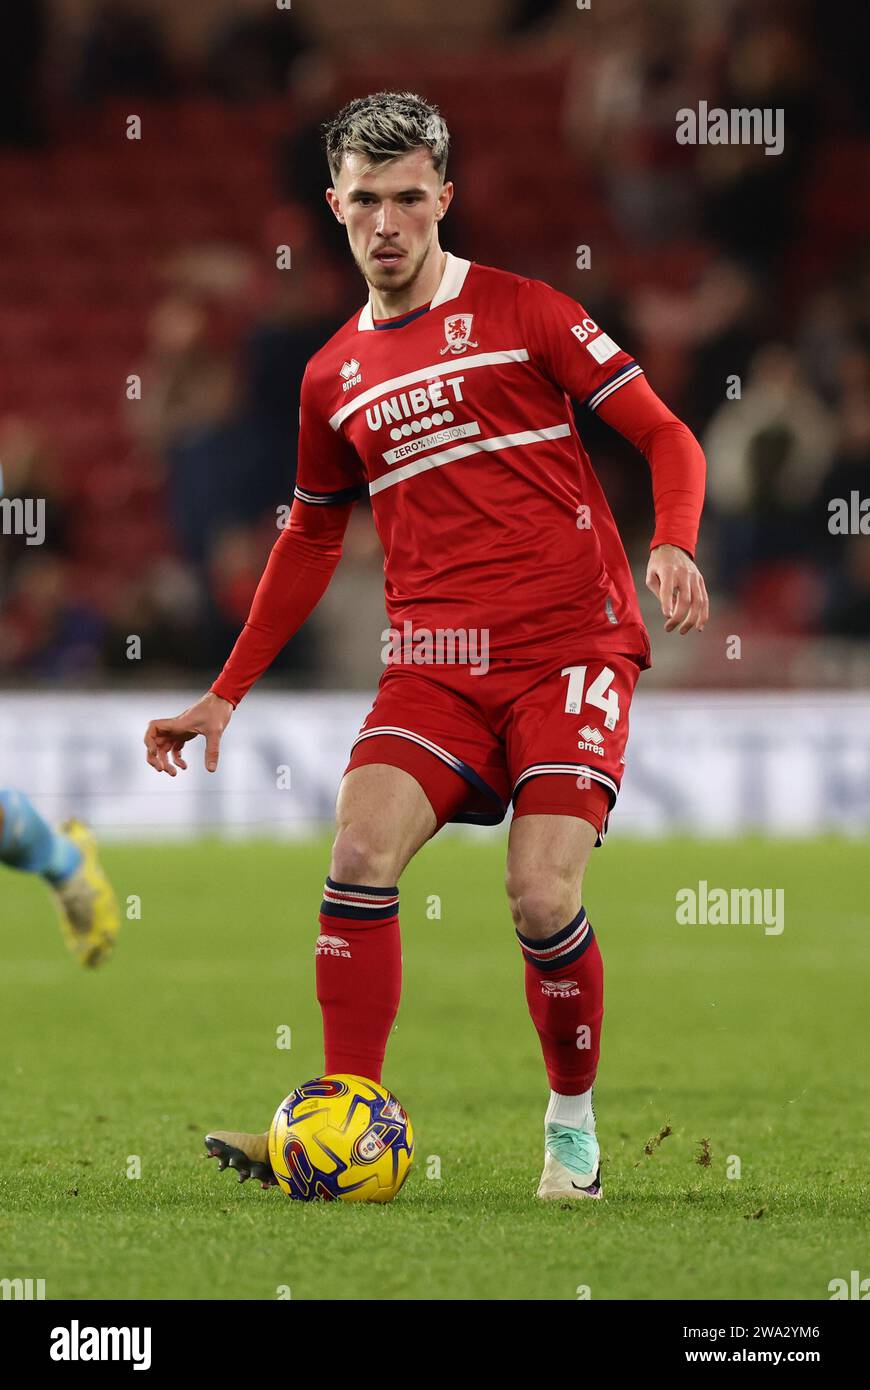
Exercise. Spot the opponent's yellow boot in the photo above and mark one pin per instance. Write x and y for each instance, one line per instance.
(89, 912)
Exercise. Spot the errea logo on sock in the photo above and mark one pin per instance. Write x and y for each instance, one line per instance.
(331, 946)
(560, 989)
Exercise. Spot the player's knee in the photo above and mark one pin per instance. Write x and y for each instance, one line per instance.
(542, 902)
(359, 857)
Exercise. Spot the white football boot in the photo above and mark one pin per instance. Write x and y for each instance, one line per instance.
(572, 1164)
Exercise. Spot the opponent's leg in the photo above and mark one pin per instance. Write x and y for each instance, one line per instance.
(383, 817)
(29, 843)
(67, 860)
(547, 856)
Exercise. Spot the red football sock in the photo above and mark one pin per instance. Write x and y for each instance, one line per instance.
(359, 975)
(565, 992)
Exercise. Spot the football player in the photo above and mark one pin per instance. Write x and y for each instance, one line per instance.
(447, 400)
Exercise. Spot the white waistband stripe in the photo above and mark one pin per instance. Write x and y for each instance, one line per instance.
(572, 769)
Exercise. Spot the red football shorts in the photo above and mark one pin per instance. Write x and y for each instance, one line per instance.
(548, 734)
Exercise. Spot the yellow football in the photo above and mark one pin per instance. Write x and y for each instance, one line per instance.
(341, 1138)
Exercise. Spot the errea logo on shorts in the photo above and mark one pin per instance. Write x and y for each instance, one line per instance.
(591, 740)
(602, 347)
(331, 946)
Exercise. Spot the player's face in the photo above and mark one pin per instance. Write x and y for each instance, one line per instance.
(390, 213)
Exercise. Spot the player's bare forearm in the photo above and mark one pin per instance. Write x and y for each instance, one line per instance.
(678, 584)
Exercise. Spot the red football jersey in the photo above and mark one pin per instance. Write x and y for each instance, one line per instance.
(456, 419)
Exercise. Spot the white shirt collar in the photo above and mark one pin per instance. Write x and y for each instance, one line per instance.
(452, 280)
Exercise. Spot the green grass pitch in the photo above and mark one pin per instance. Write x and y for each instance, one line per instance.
(743, 1044)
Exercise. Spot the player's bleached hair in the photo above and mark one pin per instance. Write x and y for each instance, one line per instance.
(385, 126)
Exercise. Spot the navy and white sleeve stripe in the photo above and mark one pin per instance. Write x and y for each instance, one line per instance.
(613, 383)
(328, 499)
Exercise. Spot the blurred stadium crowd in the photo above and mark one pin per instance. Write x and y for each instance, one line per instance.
(151, 349)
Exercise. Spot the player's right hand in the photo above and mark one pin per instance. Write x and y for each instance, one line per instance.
(165, 738)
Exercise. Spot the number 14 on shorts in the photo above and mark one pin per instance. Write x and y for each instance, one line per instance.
(599, 693)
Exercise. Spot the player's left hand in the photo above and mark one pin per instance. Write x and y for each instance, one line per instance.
(679, 586)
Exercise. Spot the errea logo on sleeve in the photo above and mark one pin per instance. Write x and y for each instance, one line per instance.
(602, 347)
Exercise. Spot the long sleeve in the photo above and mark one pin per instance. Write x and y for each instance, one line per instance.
(575, 352)
(675, 458)
(297, 574)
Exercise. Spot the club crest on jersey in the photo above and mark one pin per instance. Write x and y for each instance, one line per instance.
(457, 331)
(350, 374)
